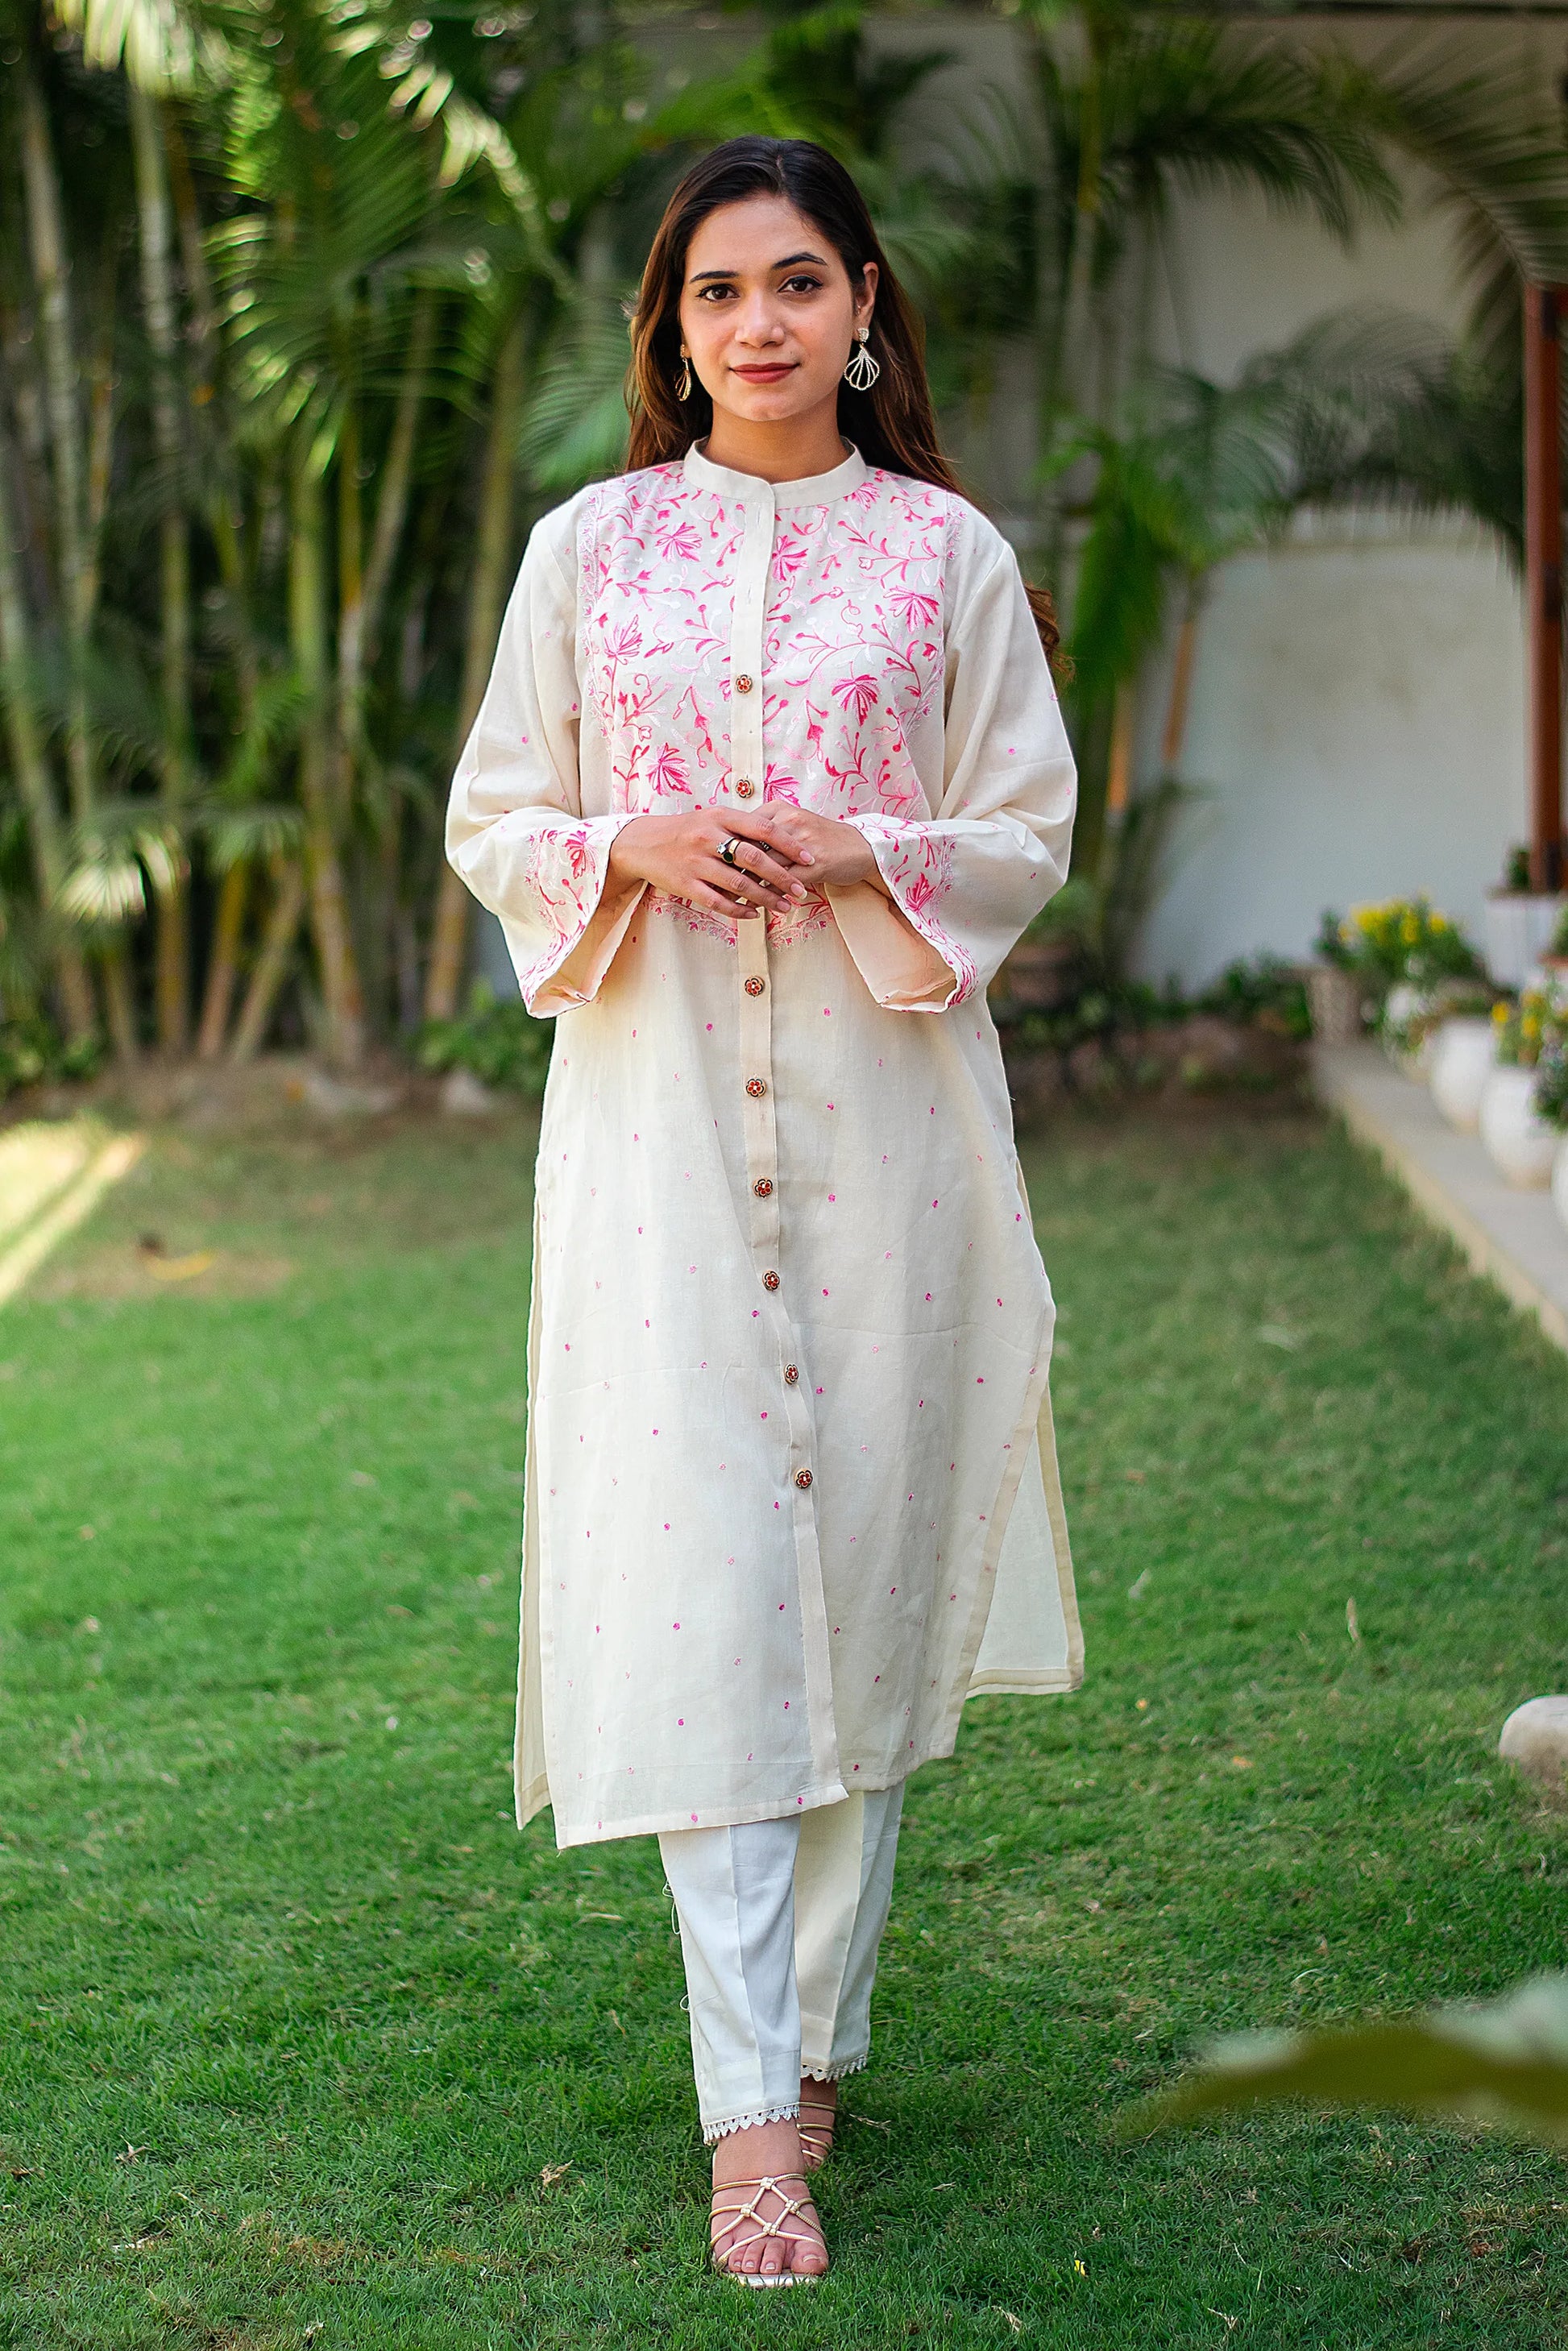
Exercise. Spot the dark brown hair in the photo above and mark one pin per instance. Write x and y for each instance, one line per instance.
(894, 425)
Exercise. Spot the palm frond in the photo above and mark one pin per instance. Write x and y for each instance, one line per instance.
(1495, 145)
(575, 425)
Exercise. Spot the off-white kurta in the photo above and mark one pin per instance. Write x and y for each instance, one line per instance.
(791, 1492)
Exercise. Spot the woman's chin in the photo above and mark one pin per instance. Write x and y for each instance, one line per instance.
(766, 404)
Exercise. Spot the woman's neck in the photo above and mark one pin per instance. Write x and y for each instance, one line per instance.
(792, 449)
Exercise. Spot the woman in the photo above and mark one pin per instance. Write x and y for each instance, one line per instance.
(769, 778)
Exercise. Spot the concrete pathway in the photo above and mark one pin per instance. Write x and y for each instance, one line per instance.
(1516, 1238)
(51, 1177)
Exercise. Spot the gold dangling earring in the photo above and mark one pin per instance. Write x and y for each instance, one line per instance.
(861, 371)
(684, 381)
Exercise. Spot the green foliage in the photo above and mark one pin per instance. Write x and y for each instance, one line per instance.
(1551, 1077)
(1264, 988)
(502, 1043)
(1504, 2061)
(33, 1053)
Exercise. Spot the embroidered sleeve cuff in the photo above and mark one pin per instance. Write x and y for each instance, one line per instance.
(909, 961)
(575, 918)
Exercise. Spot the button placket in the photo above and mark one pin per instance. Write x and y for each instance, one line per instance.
(756, 1000)
(746, 644)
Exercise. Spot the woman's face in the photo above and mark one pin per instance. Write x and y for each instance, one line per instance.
(768, 311)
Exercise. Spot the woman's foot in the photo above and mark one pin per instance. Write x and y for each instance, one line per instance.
(765, 2227)
(818, 2115)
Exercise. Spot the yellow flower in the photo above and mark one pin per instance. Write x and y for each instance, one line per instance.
(1500, 1016)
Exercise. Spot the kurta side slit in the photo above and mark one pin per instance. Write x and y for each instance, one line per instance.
(791, 1491)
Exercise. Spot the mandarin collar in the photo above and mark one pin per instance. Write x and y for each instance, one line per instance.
(814, 490)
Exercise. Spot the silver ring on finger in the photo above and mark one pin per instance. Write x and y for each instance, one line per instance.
(727, 849)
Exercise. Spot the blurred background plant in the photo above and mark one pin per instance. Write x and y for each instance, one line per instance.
(308, 308)
(1399, 940)
(1524, 1025)
(1503, 2061)
(495, 1041)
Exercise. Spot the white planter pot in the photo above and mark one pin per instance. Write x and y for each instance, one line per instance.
(1518, 932)
(1560, 1179)
(1519, 1143)
(1463, 1057)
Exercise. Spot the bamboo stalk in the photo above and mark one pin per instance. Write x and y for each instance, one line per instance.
(341, 988)
(171, 984)
(120, 1002)
(29, 763)
(223, 968)
(51, 277)
(449, 931)
(1119, 775)
(1174, 737)
(397, 479)
(101, 420)
(272, 964)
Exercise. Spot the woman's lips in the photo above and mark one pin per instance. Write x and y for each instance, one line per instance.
(764, 374)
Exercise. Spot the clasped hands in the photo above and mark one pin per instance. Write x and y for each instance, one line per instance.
(783, 855)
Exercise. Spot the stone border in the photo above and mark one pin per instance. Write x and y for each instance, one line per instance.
(1516, 1238)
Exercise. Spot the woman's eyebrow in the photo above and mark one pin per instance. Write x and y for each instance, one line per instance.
(789, 261)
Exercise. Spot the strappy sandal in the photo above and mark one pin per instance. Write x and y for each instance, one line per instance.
(724, 2222)
(816, 2138)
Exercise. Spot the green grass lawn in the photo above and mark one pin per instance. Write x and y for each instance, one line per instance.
(302, 2043)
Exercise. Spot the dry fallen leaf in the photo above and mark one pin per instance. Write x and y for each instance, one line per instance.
(552, 2173)
(150, 1250)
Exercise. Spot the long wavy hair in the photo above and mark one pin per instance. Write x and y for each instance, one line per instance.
(893, 425)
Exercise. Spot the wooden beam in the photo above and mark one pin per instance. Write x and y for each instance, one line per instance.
(1544, 307)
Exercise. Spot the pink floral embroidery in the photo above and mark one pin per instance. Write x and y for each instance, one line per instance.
(852, 641)
(916, 863)
(854, 657)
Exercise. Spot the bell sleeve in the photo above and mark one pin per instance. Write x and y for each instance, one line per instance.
(958, 887)
(516, 831)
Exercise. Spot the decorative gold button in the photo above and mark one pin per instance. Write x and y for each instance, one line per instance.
(757, 1088)
(743, 684)
(753, 986)
(771, 1281)
(763, 1187)
(792, 1373)
(743, 787)
(802, 1478)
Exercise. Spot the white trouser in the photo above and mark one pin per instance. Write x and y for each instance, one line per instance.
(781, 1922)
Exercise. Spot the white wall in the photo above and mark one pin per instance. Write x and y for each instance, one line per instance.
(1357, 716)
(1357, 729)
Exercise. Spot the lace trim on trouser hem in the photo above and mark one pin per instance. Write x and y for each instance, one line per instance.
(838, 2072)
(749, 2122)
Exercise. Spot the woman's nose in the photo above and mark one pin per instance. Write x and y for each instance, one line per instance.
(759, 321)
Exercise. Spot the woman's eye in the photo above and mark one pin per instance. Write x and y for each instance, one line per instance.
(714, 293)
(802, 285)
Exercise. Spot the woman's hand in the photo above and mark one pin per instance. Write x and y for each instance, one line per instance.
(783, 854)
(679, 854)
(838, 854)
